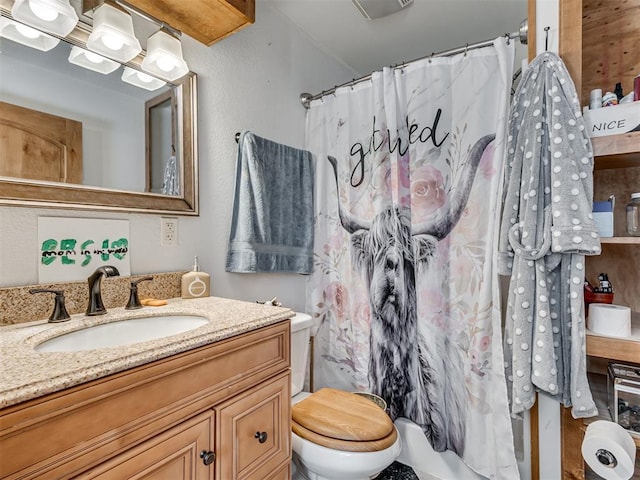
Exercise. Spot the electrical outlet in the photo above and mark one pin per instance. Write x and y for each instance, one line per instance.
(169, 231)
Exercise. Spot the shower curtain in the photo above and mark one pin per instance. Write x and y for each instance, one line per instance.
(404, 290)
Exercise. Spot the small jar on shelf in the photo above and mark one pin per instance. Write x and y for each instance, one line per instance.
(633, 215)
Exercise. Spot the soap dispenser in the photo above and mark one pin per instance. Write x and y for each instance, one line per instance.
(195, 283)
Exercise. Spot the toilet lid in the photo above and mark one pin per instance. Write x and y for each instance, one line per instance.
(345, 445)
(342, 416)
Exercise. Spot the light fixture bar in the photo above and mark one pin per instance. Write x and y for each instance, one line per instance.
(176, 33)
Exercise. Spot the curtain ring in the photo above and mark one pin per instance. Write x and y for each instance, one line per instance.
(466, 49)
(431, 57)
(508, 37)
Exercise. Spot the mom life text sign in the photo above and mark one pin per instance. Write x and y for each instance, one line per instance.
(70, 249)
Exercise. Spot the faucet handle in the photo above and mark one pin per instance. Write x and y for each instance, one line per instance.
(274, 302)
(59, 313)
(134, 300)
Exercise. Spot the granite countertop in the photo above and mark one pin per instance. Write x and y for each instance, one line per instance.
(28, 374)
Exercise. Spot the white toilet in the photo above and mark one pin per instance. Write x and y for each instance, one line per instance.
(353, 449)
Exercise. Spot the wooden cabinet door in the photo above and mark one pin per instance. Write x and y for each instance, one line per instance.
(39, 146)
(208, 21)
(254, 432)
(173, 455)
(283, 474)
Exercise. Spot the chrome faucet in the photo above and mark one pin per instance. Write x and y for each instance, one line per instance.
(96, 307)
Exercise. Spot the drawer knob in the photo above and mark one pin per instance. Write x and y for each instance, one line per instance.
(261, 436)
(207, 457)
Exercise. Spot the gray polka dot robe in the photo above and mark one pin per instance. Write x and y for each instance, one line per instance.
(546, 230)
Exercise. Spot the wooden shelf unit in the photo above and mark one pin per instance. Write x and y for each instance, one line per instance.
(617, 151)
(617, 349)
(621, 240)
(597, 45)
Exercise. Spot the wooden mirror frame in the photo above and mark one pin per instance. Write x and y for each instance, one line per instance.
(19, 192)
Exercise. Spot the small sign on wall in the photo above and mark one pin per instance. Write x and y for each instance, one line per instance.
(71, 249)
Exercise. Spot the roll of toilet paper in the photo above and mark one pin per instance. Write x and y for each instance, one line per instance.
(610, 320)
(609, 450)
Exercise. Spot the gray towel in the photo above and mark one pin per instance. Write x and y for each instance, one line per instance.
(272, 224)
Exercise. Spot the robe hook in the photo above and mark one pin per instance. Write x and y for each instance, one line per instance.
(546, 38)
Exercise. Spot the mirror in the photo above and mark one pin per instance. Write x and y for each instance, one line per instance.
(137, 148)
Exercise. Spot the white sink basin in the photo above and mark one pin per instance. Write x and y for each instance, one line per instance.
(124, 332)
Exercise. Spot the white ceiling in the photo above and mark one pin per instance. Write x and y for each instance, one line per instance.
(424, 27)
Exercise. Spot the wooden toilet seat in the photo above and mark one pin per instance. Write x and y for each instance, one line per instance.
(343, 421)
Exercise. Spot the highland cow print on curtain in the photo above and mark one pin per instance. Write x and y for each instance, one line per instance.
(404, 289)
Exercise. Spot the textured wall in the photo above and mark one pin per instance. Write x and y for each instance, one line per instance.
(250, 80)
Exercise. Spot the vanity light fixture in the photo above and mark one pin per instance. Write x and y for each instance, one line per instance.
(141, 79)
(57, 17)
(92, 61)
(113, 34)
(164, 56)
(26, 35)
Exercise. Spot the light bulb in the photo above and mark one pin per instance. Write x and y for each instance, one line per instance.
(112, 42)
(43, 12)
(166, 63)
(144, 77)
(27, 32)
(93, 57)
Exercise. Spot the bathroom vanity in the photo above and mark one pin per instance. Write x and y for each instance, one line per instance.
(210, 403)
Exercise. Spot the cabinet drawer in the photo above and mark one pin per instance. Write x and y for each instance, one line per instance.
(254, 436)
(174, 454)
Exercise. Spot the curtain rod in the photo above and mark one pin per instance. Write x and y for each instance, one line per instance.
(521, 34)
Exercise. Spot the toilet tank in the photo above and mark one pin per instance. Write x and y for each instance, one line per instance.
(301, 325)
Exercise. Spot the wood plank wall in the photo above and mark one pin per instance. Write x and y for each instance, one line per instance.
(610, 45)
